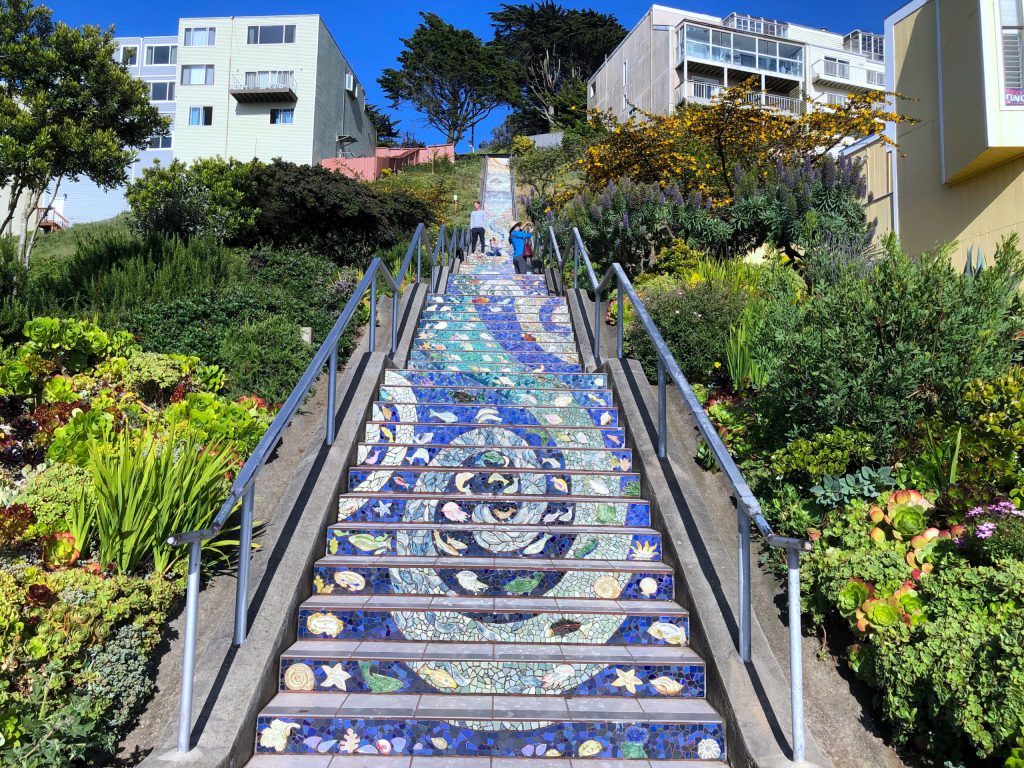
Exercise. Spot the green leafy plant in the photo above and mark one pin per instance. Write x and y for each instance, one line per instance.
(148, 488)
(806, 461)
(864, 483)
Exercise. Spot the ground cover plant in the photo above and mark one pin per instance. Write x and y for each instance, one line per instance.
(105, 449)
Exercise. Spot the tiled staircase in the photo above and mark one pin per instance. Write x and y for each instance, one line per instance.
(493, 591)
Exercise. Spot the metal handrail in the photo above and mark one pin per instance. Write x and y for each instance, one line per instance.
(748, 508)
(243, 488)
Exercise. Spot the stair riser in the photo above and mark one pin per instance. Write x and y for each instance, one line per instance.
(520, 347)
(547, 459)
(534, 359)
(510, 415)
(497, 367)
(511, 545)
(503, 323)
(454, 302)
(521, 678)
(423, 737)
(490, 582)
(558, 320)
(635, 514)
(479, 396)
(477, 434)
(450, 626)
(492, 482)
(457, 379)
(503, 337)
(498, 290)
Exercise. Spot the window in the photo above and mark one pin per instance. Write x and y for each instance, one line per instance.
(593, 90)
(161, 91)
(197, 74)
(625, 74)
(160, 142)
(200, 36)
(876, 78)
(272, 34)
(200, 116)
(837, 68)
(129, 55)
(835, 99)
(282, 116)
(161, 54)
(1011, 15)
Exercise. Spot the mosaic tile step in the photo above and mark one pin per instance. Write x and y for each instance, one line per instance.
(316, 760)
(496, 577)
(465, 283)
(504, 357)
(448, 302)
(565, 349)
(437, 536)
(540, 436)
(498, 726)
(558, 318)
(531, 382)
(502, 337)
(507, 323)
(496, 367)
(505, 415)
(499, 290)
(391, 455)
(567, 621)
(496, 482)
(383, 508)
(454, 668)
(495, 396)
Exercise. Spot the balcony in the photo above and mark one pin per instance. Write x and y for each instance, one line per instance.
(699, 92)
(843, 74)
(257, 87)
(49, 220)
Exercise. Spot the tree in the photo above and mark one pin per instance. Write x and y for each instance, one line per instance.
(554, 50)
(385, 126)
(67, 109)
(701, 147)
(449, 75)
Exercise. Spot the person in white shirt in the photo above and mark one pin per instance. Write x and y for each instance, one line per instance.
(477, 222)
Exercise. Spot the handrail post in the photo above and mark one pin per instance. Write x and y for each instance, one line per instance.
(575, 264)
(419, 258)
(188, 666)
(796, 667)
(597, 325)
(618, 340)
(244, 556)
(743, 568)
(662, 409)
(332, 391)
(394, 321)
(373, 314)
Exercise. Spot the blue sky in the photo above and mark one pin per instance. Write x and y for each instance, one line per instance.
(369, 32)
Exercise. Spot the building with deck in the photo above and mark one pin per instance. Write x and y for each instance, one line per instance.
(672, 56)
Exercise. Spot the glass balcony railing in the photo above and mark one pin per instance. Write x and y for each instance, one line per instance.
(732, 49)
(701, 92)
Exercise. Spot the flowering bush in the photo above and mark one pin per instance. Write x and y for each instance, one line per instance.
(995, 533)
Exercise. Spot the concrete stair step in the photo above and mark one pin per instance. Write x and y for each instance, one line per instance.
(439, 725)
(487, 620)
(496, 577)
(501, 357)
(384, 508)
(518, 436)
(458, 379)
(481, 538)
(500, 669)
(495, 482)
(425, 412)
(496, 396)
(555, 459)
(497, 367)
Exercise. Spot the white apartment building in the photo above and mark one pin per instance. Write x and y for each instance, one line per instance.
(672, 56)
(242, 87)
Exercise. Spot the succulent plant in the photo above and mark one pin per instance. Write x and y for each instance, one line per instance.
(853, 595)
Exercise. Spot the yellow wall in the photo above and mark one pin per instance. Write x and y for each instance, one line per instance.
(878, 208)
(978, 209)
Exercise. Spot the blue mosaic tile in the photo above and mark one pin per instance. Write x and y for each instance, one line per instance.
(496, 367)
(485, 358)
(386, 455)
(456, 379)
(493, 482)
(666, 741)
(567, 511)
(499, 414)
(518, 436)
(490, 396)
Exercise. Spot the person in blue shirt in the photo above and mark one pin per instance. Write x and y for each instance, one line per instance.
(519, 237)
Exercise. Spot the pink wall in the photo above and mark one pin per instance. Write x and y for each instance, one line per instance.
(387, 158)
